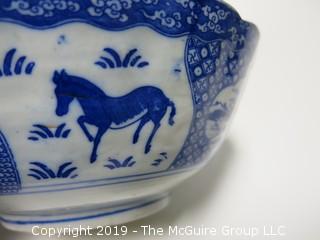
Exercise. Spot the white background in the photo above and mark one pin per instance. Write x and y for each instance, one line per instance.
(268, 170)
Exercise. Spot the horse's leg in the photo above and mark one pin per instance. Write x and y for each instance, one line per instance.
(156, 117)
(143, 121)
(154, 131)
(96, 142)
(81, 122)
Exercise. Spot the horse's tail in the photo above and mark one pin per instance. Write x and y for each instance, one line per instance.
(173, 112)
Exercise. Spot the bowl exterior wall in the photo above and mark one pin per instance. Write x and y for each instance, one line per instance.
(103, 106)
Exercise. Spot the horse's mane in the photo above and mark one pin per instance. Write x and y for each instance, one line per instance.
(86, 85)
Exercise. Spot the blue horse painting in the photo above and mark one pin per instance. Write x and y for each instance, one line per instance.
(144, 104)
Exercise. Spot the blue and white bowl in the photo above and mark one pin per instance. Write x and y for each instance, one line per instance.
(106, 105)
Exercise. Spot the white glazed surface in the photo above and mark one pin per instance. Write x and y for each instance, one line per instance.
(118, 82)
(77, 55)
(197, 82)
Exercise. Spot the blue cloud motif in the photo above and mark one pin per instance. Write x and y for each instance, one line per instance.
(44, 8)
(214, 16)
(208, 19)
(115, 8)
(165, 19)
(185, 3)
(111, 8)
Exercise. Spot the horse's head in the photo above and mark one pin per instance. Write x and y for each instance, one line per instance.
(62, 92)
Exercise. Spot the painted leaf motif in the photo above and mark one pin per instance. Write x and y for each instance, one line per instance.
(41, 134)
(59, 130)
(127, 161)
(19, 65)
(39, 173)
(45, 129)
(8, 62)
(115, 162)
(66, 133)
(128, 57)
(115, 55)
(30, 67)
(44, 168)
(62, 168)
(68, 172)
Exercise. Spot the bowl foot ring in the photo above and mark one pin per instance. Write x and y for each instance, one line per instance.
(92, 217)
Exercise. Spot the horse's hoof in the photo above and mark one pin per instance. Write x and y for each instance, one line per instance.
(171, 123)
(147, 150)
(93, 158)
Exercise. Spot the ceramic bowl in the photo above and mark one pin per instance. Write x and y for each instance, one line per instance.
(106, 105)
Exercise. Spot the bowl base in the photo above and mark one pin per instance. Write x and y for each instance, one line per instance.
(93, 217)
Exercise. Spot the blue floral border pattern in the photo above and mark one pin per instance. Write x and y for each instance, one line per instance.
(208, 19)
(9, 176)
(218, 42)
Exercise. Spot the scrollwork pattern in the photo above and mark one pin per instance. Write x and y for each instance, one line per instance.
(213, 19)
(165, 19)
(168, 14)
(46, 8)
(112, 8)
(117, 9)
